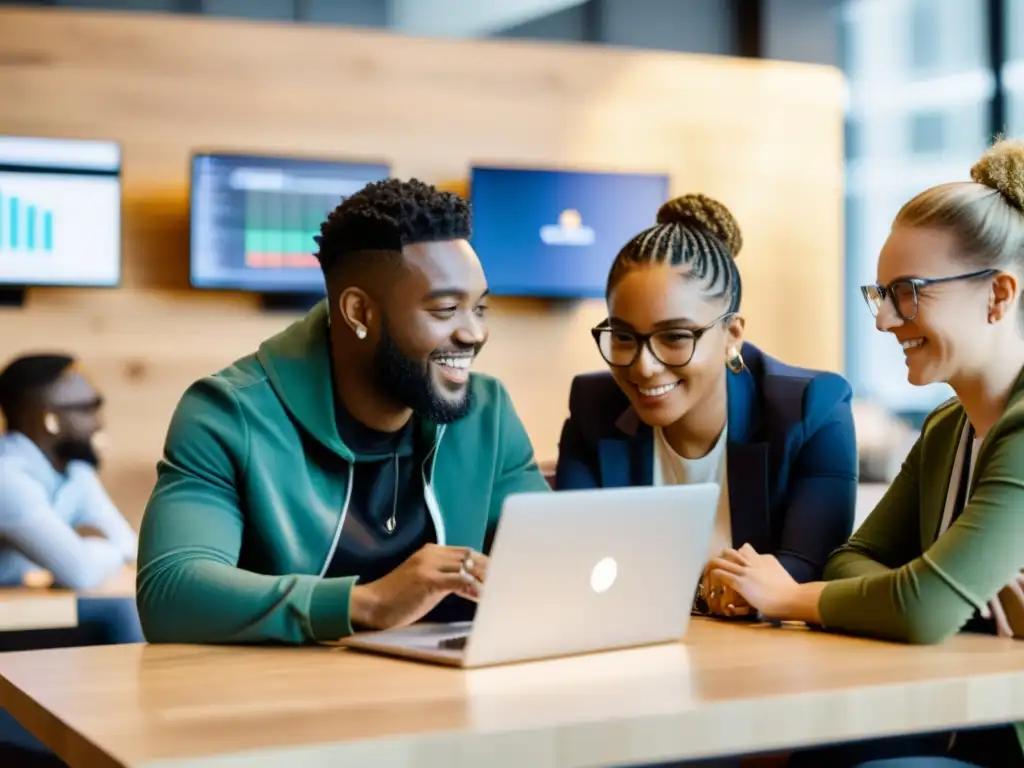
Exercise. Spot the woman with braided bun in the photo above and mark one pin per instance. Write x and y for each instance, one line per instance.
(686, 400)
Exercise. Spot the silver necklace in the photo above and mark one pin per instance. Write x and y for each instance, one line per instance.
(392, 522)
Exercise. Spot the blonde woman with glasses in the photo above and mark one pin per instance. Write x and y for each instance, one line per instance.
(944, 549)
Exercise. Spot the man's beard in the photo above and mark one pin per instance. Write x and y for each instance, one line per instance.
(77, 450)
(409, 382)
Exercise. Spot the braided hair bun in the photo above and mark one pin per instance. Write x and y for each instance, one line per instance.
(707, 214)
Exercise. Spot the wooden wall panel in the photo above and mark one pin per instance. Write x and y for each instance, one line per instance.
(764, 137)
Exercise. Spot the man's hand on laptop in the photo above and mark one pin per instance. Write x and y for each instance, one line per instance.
(415, 587)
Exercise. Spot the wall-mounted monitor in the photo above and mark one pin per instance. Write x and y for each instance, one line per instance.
(60, 212)
(253, 218)
(554, 234)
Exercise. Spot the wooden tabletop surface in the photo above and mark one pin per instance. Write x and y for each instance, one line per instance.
(31, 608)
(728, 689)
(38, 606)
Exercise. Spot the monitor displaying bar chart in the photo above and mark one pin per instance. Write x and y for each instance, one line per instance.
(26, 227)
(60, 212)
(254, 218)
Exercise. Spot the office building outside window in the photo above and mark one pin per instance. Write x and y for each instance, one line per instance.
(1013, 69)
(920, 90)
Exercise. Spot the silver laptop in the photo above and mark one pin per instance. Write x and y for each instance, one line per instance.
(575, 572)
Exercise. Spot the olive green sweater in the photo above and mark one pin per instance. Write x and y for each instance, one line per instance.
(894, 579)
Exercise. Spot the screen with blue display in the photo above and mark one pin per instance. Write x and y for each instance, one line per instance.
(254, 219)
(554, 234)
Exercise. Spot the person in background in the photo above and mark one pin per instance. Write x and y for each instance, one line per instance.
(688, 401)
(55, 515)
(944, 548)
(347, 475)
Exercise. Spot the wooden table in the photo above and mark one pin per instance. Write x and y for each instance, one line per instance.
(40, 607)
(730, 689)
(30, 608)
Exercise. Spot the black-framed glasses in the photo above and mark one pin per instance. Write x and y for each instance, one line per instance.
(672, 347)
(904, 293)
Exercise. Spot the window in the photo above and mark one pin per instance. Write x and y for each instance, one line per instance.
(920, 93)
(853, 278)
(927, 133)
(1013, 69)
(851, 138)
(1015, 114)
(925, 33)
(1013, 26)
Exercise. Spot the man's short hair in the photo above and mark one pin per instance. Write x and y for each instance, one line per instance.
(385, 216)
(27, 375)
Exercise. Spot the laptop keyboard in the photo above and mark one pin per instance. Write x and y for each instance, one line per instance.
(456, 643)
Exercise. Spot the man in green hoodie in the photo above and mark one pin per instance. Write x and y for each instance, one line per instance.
(350, 473)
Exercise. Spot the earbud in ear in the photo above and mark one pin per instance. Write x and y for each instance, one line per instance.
(99, 441)
(51, 423)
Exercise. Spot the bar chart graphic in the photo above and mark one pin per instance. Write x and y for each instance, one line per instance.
(59, 229)
(280, 227)
(254, 219)
(25, 227)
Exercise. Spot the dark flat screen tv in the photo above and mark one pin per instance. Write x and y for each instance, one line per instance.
(253, 218)
(554, 233)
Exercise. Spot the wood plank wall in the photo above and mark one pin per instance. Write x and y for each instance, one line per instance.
(764, 137)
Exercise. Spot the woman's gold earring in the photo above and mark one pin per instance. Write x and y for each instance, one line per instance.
(735, 362)
(51, 424)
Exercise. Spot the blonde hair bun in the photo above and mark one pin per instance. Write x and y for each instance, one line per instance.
(1002, 169)
(704, 213)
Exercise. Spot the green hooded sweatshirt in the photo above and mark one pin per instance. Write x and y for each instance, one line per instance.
(252, 490)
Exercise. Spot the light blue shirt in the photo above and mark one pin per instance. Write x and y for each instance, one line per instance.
(40, 508)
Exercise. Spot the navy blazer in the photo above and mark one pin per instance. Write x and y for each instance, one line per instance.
(791, 456)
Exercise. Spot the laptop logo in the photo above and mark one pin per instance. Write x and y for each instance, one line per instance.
(570, 230)
(604, 575)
